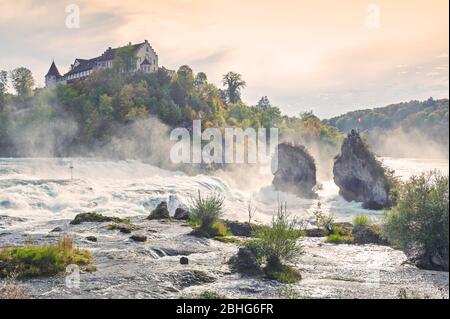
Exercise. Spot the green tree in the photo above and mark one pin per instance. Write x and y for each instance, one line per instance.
(200, 80)
(185, 77)
(421, 216)
(264, 103)
(233, 83)
(22, 81)
(125, 59)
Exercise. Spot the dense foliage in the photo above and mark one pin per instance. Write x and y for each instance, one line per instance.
(86, 113)
(421, 217)
(429, 118)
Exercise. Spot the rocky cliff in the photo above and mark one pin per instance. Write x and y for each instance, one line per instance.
(359, 176)
(296, 171)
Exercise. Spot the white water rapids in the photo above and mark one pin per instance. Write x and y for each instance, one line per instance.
(40, 190)
(37, 195)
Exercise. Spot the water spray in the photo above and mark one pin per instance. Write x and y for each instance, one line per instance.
(71, 171)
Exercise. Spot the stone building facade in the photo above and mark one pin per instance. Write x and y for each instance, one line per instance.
(145, 57)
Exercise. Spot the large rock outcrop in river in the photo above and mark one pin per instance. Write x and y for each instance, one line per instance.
(359, 176)
(296, 171)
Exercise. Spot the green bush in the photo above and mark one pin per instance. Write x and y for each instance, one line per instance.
(361, 220)
(421, 214)
(45, 260)
(276, 245)
(205, 214)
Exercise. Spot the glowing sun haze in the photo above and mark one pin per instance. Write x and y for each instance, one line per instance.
(304, 55)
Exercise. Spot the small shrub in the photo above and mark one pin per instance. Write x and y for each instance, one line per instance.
(421, 216)
(323, 220)
(45, 260)
(205, 214)
(361, 220)
(276, 245)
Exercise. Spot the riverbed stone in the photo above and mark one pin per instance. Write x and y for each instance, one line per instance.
(139, 238)
(182, 214)
(92, 239)
(160, 212)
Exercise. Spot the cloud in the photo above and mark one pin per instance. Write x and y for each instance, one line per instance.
(292, 51)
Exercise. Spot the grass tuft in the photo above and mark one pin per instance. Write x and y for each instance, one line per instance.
(361, 221)
(44, 260)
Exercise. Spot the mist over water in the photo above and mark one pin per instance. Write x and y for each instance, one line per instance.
(41, 190)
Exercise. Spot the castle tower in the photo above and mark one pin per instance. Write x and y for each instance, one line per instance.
(52, 76)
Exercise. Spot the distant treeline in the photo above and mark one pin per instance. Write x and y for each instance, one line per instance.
(413, 122)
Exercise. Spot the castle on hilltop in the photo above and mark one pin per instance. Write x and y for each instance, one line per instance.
(146, 61)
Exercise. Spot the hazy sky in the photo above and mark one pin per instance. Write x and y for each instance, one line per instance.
(321, 55)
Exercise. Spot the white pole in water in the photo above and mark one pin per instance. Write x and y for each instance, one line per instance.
(71, 171)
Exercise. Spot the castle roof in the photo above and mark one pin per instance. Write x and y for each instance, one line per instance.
(53, 71)
(108, 55)
(83, 65)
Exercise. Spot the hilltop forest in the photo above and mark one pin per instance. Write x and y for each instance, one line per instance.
(412, 128)
(82, 117)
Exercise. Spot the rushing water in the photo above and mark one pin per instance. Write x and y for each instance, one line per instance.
(42, 189)
(36, 195)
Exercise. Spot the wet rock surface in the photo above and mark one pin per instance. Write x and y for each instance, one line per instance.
(296, 171)
(160, 212)
(368, 235)
(359, 176)
(427, 259)
(241, 229)
(182, 214)
(128, 269)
